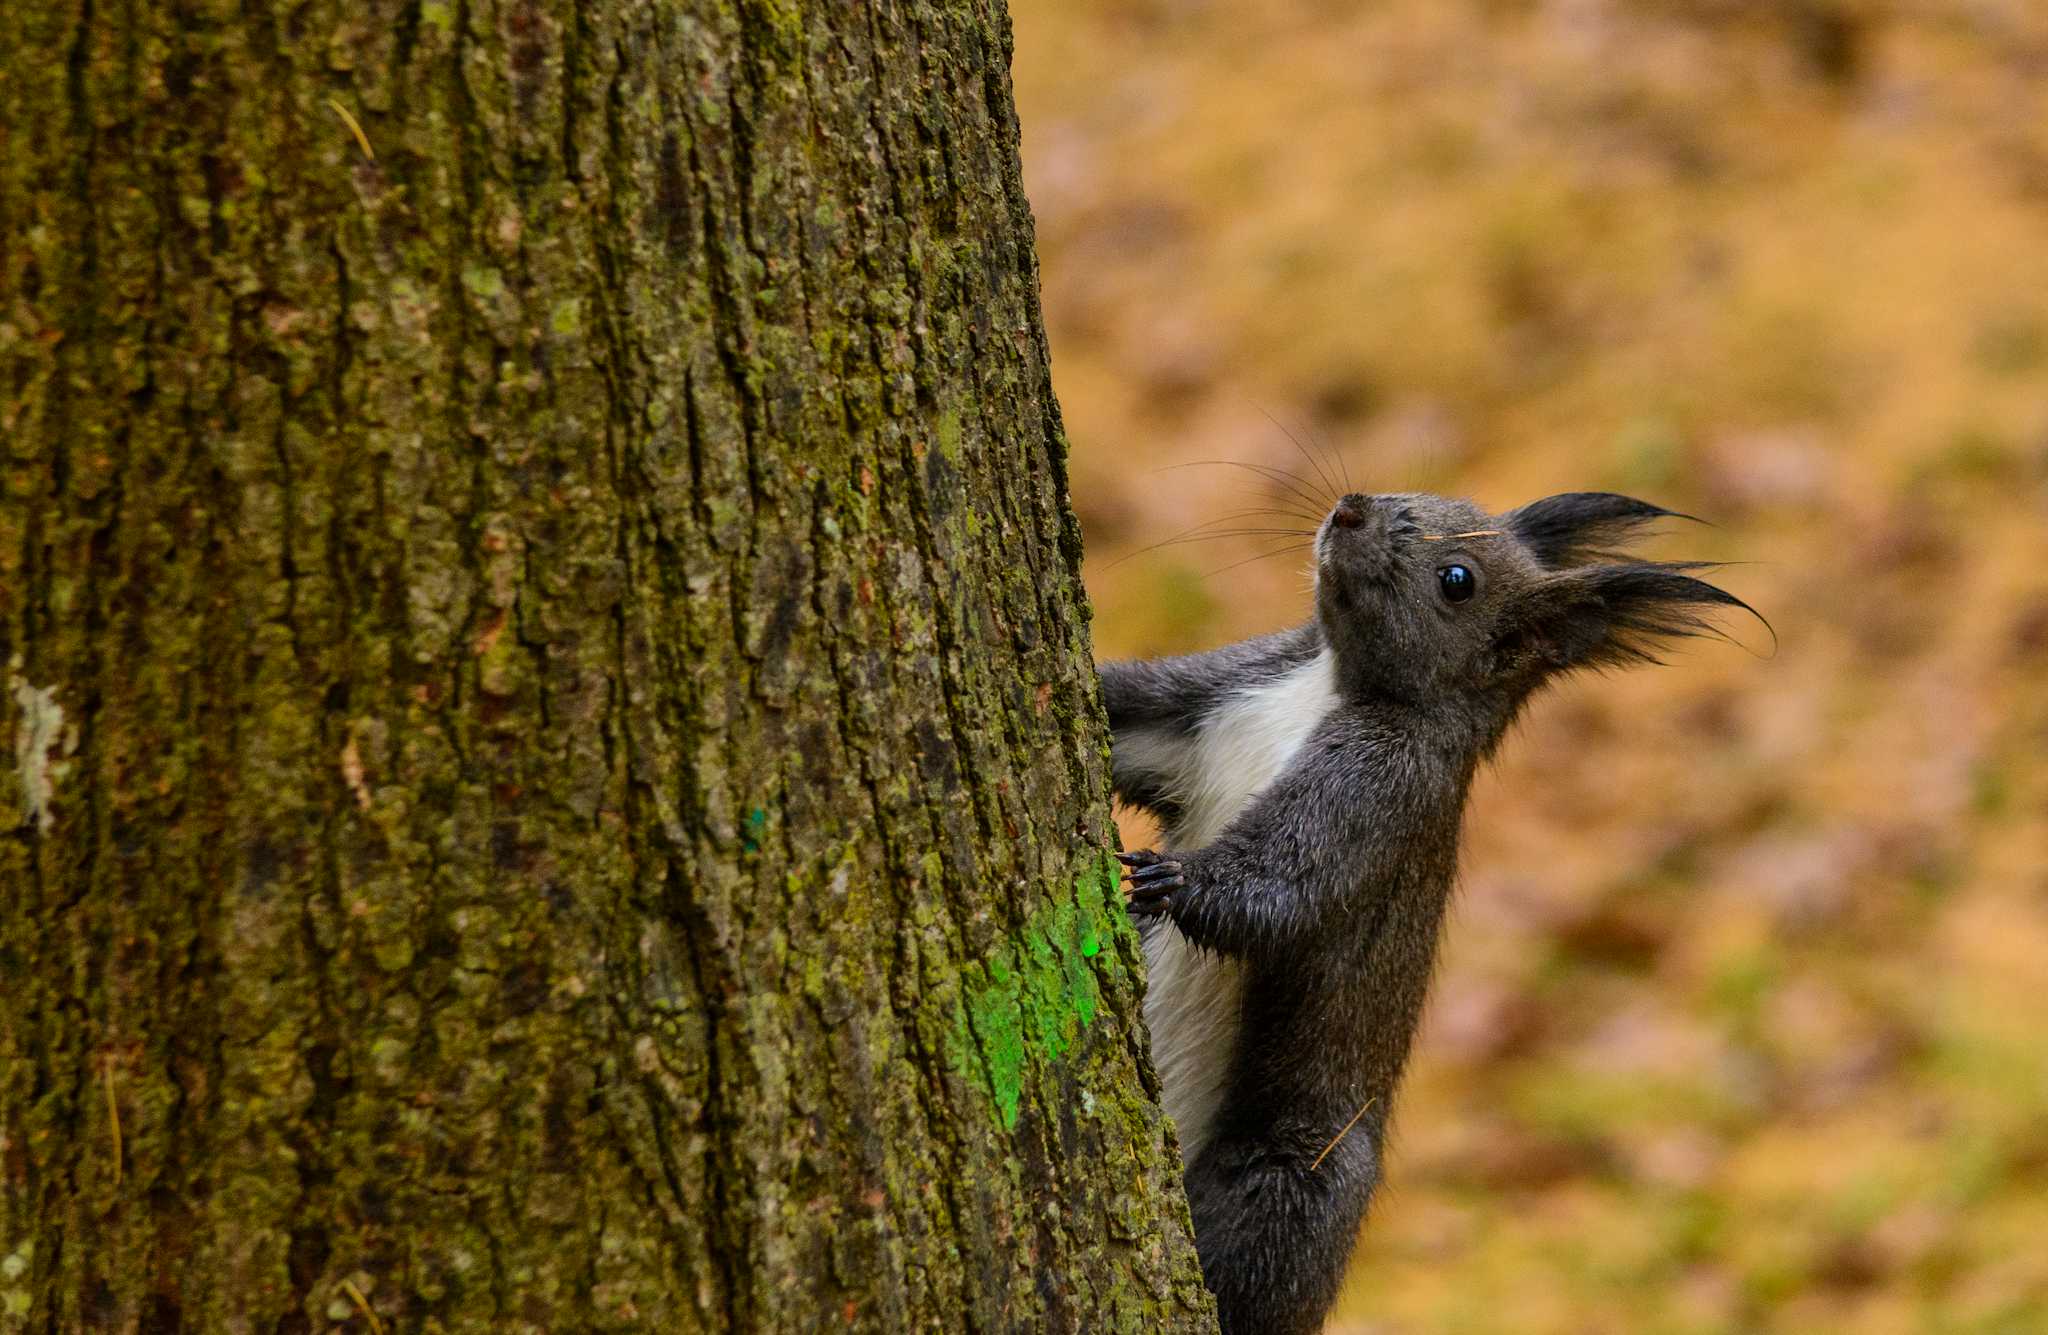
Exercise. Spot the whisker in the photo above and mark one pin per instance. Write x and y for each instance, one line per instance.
(1291, 486)
(1329, 450)
(1328, 485)
(1246, 533)
(1302, 515)
(1295, 485)
(1210, 524)
(1185, 538)
(1278, 551)
(1452, 537)
(1343, 466)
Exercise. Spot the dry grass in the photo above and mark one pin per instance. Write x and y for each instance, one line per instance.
(1741, 1020)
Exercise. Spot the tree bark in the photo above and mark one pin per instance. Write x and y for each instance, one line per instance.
(556, 777)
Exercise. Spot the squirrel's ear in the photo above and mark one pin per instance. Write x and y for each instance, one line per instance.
(1609, 616)
(1581, 526)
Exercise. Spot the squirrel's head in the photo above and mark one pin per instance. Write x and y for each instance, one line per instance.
(1432, 600)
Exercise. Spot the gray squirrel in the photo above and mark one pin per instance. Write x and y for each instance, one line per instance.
(1311, 785)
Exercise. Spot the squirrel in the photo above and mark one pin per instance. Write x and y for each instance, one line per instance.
(1311, 785)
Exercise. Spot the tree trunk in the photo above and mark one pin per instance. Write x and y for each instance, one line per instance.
(556, 780)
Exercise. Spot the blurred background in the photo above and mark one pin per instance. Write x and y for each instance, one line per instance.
(1740, 1022)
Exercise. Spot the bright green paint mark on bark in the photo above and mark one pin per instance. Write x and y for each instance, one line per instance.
(1096, 897)
(1041, 992)
(998, 1023)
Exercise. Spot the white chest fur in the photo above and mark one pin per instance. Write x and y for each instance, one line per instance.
(1192, 997)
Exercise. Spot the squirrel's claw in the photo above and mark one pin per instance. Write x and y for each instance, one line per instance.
(1145, 868)
(1153, 881)
(1165, 903)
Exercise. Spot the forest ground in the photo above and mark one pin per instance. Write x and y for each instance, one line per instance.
(1740, 1020)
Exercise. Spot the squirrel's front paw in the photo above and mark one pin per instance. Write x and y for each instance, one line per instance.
(1158, 884)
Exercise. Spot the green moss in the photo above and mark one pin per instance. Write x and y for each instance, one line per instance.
(997, 1021)
(482, 280)
(1040, 992)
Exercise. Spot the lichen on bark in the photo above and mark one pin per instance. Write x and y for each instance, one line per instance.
(579, 801)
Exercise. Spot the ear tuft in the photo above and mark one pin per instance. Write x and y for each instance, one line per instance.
(1618, 615)
(1581, 526)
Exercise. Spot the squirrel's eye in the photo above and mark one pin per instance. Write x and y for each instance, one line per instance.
(1457, 583)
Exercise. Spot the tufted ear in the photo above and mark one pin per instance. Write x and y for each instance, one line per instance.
(1606, 616)
(1581, 526)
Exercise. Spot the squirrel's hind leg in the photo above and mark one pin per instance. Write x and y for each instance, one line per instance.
(1275, 1230)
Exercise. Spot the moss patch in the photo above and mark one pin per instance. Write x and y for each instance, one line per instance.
(1039, 992)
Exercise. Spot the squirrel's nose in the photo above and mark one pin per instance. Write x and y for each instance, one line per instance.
(1348, 514)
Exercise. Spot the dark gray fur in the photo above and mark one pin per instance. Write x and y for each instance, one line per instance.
(1330, 884)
